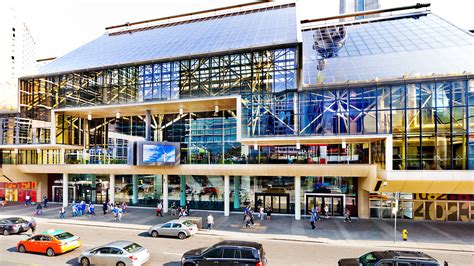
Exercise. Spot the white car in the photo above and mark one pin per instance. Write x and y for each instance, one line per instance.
(179, 228)
(120, 253)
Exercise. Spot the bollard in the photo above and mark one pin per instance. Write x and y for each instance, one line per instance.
(405, 234)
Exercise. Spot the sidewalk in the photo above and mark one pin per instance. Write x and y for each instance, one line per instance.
(371, 232)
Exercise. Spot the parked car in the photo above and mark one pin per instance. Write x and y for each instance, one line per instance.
(179, 228)
(13, 225)
(227, 252)
(50, 243)
(391, 257)
(119, 253)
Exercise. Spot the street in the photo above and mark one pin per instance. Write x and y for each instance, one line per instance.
(168, 251)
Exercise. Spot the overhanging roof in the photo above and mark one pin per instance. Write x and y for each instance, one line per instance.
(337, 139)
(40, 146)
(194, 105)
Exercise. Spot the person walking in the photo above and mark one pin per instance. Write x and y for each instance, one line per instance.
(347, 215)
(188, 208)
(115, 212)
(91, 209)
(210, 222)
(174, 209)
(159, 209)
(45, 201)
(39, 209)
(27, 200)
(261, 213)
(312, 219)
(32, 225)
(105, 206)
(62, 212)
(269, 213)
(124, 207)
(326, 211)
(119, 214)
(246, 212)
(74, 209)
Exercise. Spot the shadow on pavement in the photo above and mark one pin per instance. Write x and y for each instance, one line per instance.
(144, 234)
(12, 249)
(72, 261)
(172, 263)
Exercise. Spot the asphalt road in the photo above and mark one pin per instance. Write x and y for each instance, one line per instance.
(168, 251)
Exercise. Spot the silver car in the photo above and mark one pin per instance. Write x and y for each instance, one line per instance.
(179, 228)
(120, 253)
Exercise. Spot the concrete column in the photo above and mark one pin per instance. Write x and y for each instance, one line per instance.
(135, 189)
(236, 192)
(157, 185)
(165, 193)
(389, 154)
(53, 128)
(112, 188)
(297, 197)
(93, 188)
(148, 125)
(226, 196)
(362, 201)
(62, 154)
(182, 190)
(65, 189)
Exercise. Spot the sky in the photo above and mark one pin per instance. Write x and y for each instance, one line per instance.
(60, 26)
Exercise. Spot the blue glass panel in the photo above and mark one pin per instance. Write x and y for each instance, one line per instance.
(258, 28)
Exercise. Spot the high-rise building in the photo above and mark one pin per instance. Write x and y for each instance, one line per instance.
(17, 57)
(248, 105)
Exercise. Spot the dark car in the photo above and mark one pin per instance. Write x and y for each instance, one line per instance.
(227, 253)
(391, 257)
(13, 225)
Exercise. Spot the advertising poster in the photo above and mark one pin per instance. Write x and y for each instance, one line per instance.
(158, 153)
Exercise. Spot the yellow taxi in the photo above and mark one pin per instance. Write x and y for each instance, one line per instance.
(50, 243)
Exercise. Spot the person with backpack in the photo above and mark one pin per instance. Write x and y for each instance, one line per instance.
(39, 209)
(32, 225)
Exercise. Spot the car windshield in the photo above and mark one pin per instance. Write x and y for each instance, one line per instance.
(132, 248)
(187, 223)
(64, 235)
(368, 259)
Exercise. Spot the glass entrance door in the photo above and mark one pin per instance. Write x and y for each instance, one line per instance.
(335, 203)
(280, 203)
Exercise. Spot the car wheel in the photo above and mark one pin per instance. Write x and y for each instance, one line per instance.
(21, 249)
(154, 234)
(50, 252)
(5, 232)
(120, 263)
(85, 262)
(181, 235)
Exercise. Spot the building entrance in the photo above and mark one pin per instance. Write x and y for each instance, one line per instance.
(279, 202)
(58, 193)
(335, 202)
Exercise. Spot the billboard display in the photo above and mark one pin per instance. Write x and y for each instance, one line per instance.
(159, 153)
(154, 153)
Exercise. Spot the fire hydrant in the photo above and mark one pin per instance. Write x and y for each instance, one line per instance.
(405, 234)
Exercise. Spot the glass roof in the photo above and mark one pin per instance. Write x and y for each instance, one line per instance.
(417, 44)
(246, 29)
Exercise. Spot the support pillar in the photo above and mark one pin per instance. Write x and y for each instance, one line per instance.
(135, 189)
(148, 125)
(298, 198)
(236, 192)
(157, 187)
(93, 189)
(363, 208)
(65, 189)
(112, 188)
(182, 190)
(53, 128)
(165, 194)
(226, 196)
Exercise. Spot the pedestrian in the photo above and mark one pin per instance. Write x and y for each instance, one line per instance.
(326, 211)
(4, 202)
(39, 209)
(45, 202)
(62, 212)
(182, 212)
(124, 207)
(27, 200)
(174, 209)
(347, 215)
(159, 209)
(91, 209)
(119, 214)
(251, 216)
(74, 209)
(105, 206)
(188, 208)
(261, 213)
(269, 213)
(312, 219)
(32, 225)
(83, 208)
(115, 212)
(210, 222)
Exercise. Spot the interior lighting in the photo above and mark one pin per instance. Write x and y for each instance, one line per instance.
(216, 109)
(117, 115)
(181, 110)
(38, 150)
(343, 144)
(298, 145)
(89, 116)
(15, 151)
(255, 146)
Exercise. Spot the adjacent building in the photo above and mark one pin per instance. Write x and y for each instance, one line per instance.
(17, 54)
(248, 105)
